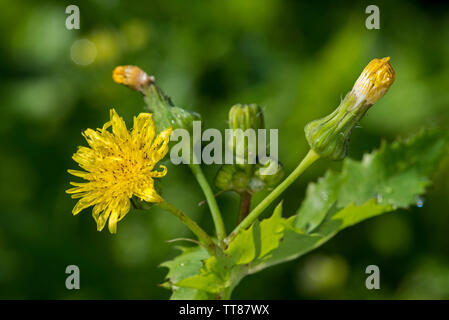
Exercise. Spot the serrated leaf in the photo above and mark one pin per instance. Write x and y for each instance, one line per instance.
(271, 232)
(185, 265)
(383, 181)
(394, 175)
(205, 281)
(243, 249)
(353, 214)
(320, 197)
(293, 244)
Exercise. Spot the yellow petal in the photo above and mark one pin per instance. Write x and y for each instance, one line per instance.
(101, 217)
(124, 206)
(159, 174)
(118, 126)
(159, 148)
(143, 130)
(83, 203)
(78, 173)
(113, 218)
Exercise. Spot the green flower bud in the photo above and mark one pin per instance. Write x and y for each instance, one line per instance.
(270, 174)
(223, 179)
(248, 116)
(230, 177)
(329, 136)
(241, 119)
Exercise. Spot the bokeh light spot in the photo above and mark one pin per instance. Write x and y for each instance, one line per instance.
(83, 52)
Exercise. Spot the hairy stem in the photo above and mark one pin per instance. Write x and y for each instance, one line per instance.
(310, 158)
(202, 236)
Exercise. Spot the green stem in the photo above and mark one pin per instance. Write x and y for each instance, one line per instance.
(202, 236)
(210, 198)
(310, 158)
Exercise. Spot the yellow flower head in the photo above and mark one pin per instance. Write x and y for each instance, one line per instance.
(118, 165)
(131, 76)
(375, 80)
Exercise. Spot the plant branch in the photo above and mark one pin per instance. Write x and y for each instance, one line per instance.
(202, 236)
(310, 158)
(210, 198)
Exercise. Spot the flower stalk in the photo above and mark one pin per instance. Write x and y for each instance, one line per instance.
(308, 160)
(212, 203)
(202, 236)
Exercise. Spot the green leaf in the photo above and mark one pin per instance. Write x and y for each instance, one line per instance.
(382, 181)
(271, 232)
(390, 178)
(243, 249)
(320, 197)
(205, 281)
(394, 175)
(187, 264)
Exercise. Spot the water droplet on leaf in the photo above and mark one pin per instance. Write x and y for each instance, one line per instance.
(419, 202)
(379, 198)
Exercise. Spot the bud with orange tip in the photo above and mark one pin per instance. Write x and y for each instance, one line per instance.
(131, 76)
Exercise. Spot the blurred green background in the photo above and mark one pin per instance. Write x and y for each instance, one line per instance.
(295, 59)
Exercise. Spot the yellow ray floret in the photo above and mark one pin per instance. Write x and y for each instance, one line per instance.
(118, 164)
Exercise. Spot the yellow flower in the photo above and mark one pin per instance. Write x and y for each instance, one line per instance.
(118, 165)
(375, 80)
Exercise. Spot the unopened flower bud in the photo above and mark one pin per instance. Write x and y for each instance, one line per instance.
(270, 173)
(165, 114)
(245, 120)
(131, 76)
(329, 136)
(230, 177)
(223, 179)
(245, 117)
